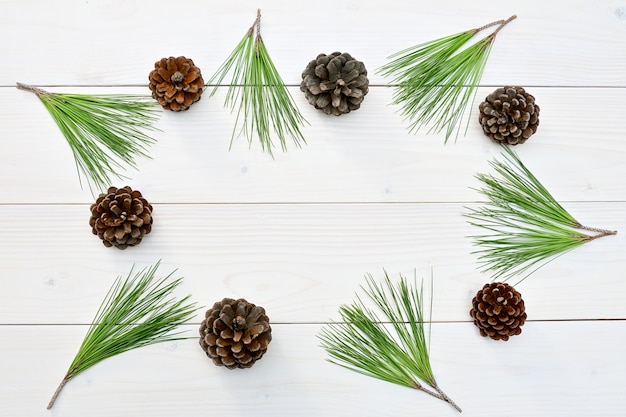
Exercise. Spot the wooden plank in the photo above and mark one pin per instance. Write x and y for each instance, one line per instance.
(367, 156)
(298, 261)
(117, 43)
(552, 368)
(296, 234)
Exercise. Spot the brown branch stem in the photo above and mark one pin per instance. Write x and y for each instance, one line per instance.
(58, 391)
(439, 394)
(603, 232)
(488, 25)
(257, 22)
(503, 24)
(30, 88)
(447, 399)
(256, 25)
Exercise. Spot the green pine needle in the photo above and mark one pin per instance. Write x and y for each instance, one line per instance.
(258, 92)
(393, 348)
(105, 132)
(525, 226)
(137, 311)
(436, 80)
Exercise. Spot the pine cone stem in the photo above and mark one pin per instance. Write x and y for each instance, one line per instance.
(58, 391)
(31, 88)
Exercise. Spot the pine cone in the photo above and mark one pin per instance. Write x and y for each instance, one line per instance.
(235, 333)
(335, 83)
(176, 83)
(498, 311)
(121, 217)
(509, 115)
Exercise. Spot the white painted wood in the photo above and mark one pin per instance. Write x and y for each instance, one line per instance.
(546, 371)
(299, 261)
(297, 233)
(112, 42)
(365, 156)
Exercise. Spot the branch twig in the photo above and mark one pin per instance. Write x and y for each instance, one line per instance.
(58, 391)
(31, 88)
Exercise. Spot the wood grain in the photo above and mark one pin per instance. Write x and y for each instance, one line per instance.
(300, 261)
(297, 233)
(579, 44)
(545, 371)
(365, 156)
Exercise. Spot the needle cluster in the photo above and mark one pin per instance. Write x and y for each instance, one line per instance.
(257, 91)
(434, 81)
(137, 311)
(525, 226)
(390, 345)
(104, 132)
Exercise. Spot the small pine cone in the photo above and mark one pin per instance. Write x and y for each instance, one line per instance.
(509, 115)
(335, 83)
(498, 311)
(121, 217)
(176, 83)
(235, 333)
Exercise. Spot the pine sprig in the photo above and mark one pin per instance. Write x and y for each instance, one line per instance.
(390, 345)
(434, 81)
(257, 91)
(525, 226)
(137, 311)
(104, 132)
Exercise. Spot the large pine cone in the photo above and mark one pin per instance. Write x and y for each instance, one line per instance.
(176, 83)
(509, 115)
(335, 83)
(235, 333)
(498, 311)
(121, 217)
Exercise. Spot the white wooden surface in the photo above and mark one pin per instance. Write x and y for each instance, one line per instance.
(297, 234)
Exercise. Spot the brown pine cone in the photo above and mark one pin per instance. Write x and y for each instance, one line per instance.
(235, 333)
(176, 83)
(335, 83)
(498, 311)
(121, 217)
(509, 115)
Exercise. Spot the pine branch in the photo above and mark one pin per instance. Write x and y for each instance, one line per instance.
(104, 132)
(396, 352)
(137, 311)
(257, 91)
(525, 227)
(436, 80)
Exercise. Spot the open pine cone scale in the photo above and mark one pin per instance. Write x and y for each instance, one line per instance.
(235, 333)
(498, 311)
(509, 115)
(335, 83)
(121, 217)
(176, 83)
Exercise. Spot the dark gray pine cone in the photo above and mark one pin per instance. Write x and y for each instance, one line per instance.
(509, 115)
(498, 311)
(121, 217)
(335, 83)
(235, 333)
